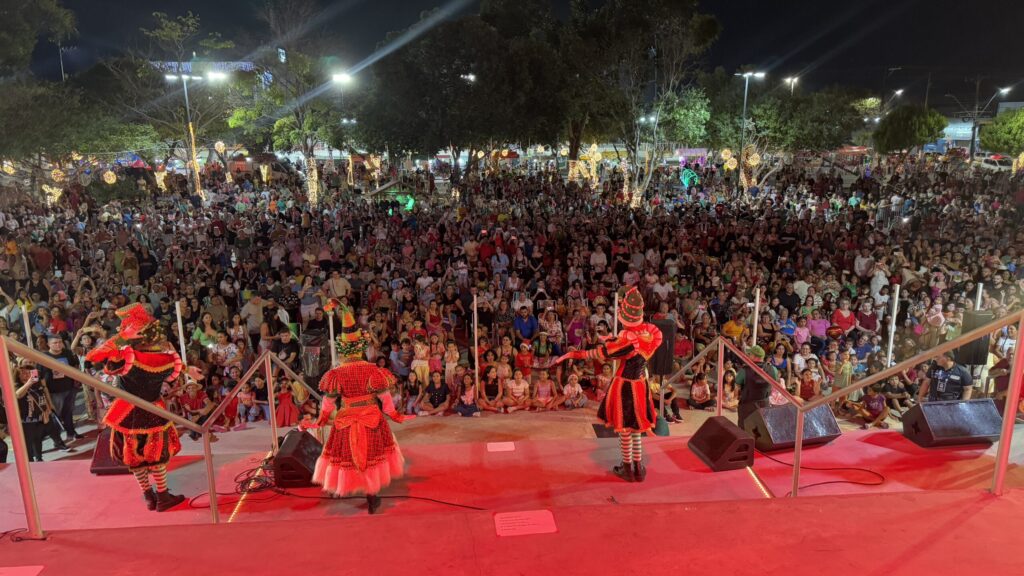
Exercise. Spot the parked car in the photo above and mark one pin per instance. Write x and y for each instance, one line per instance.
(996, 164)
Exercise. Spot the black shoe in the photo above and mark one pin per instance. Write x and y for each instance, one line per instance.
(65, 448)
(624, 471)
(639, 471)
(166, 501)
(373, 502)
(150, 498)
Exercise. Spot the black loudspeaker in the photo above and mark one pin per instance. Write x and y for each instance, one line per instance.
(103, 464)
(296, 459)
(774, 427)
(722, 445)
(661, 363)
(975, 353)
(953, 422)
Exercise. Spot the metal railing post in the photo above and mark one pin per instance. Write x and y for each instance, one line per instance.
(330, 326)
(28, 330)
(211, 479)
(272, 399)
(798, 450)
(25, 483)
(721, 378)
(1010, 412)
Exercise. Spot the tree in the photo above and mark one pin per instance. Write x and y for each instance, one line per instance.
(906, 127)
(24, 22)
(1005, 134)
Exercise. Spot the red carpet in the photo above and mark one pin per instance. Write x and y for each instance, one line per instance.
(683, 519)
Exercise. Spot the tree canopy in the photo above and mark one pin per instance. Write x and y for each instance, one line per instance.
(907, 127)
(1005, 134)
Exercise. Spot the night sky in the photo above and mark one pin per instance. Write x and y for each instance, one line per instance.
(824, 42)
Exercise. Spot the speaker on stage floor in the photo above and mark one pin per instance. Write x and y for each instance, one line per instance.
(953, 422)
(661, 362)
(774, 427)
(722, 445)
(103, 464)
(975, 353)
(296, 459)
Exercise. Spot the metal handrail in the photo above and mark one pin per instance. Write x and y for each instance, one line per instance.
(24, 351)
(17, 432)
(223, 406)
(760, 372)
(1006, 435)
(295, 376)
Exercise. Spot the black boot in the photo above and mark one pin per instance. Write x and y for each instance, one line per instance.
(373, 502)
(624, 471)
(166, 501)
(150, 498)
(639, 471)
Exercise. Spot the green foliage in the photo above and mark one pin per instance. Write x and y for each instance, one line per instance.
(684, 117)
(1005, 134)
(908, 126)
(22, 23)
(124, 189)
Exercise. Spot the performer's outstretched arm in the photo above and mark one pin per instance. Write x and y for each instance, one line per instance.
(388, 408)
(327, 406)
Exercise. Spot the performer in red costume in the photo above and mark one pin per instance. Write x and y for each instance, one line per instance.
(628, 408)
(361, 455)
(141, 357)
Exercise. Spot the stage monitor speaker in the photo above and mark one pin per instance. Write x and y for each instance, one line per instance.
(661, 363)
(103, 464)
(722, 445)
(953, 422)
(774, 427)
(974, 353)
(296, 459)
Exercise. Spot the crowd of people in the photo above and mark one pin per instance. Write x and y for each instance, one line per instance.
(539, 260)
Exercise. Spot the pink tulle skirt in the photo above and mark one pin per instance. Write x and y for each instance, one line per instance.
(346, 480)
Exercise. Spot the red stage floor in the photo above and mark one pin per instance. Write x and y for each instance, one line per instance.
(683, 516)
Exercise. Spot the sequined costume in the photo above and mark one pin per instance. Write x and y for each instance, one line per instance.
(361, 455)
(628, 407)
(143, 361)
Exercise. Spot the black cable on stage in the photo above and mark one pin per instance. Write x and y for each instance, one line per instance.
(878, 475)
(261, 479)
(12, 535)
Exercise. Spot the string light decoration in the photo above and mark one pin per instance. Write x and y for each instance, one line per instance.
(313, 182)
(76, 156)
(53, 194)
(351, 171)
(109, 177)
(265, 173)
(161, 179)
(58, 175)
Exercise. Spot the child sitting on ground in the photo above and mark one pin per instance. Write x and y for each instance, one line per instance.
(248, 411)
(546, 394)
(574, 396)
(465, 405)
(604, 380)
(872, 408)
(700, 394)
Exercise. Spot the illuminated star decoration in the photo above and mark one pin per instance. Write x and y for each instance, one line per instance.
(109, 177)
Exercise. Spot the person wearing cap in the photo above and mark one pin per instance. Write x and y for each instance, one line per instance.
(628, 407)
(361, 455)
(756, 390)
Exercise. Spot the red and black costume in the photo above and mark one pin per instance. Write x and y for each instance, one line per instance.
(142, 441)
(361, 455)
(628, 408)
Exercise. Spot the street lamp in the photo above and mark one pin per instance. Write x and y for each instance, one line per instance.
(343, 78)
(976, 115)
(468, 77)
(792, 80)
(743, 127)
(898, 92)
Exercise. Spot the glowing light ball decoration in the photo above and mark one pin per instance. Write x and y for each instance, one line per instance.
(540, 149)
(564, 152)
(753, 159)
(731, 164)
(53, 194)
(109, 177)
(58, 175)
(726, 155)
(219, 147)
(504, 153)
(480, 154)
(8, 168)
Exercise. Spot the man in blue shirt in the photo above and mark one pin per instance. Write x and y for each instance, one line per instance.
(525, 325)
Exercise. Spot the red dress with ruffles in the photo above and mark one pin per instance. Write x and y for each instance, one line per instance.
(361, 455)
(628, 405)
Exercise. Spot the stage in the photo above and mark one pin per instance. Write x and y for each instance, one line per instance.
(683, 514)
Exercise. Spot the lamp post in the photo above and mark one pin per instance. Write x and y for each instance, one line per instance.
(185, 79)
(343, 79)
(792, 80)
(743, 127)
(976, 115)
